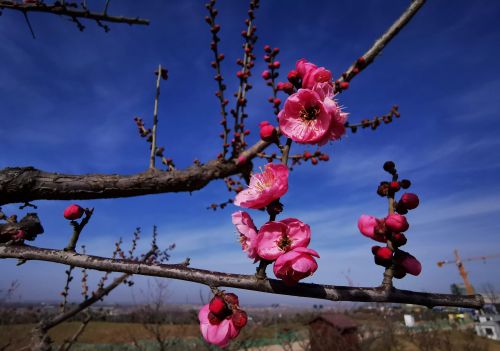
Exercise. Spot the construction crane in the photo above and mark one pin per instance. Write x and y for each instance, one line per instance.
(459, 262)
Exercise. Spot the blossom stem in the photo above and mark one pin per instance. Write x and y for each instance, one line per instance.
(261, 269)
(286, 151)
(77, 229)
(387, 283)
(155, 121)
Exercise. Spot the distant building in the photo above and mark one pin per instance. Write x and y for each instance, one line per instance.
(333, 332)
(409, 320)
(489, 326)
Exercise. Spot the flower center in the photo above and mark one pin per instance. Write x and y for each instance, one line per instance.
(264, 181)
(284, 243)
(309, 113)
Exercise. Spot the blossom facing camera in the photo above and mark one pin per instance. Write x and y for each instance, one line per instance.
(305, 118)
(410, 201)
(73, 212)
(312, 117)
(247, 231)
(277, 238)
(264, 187)
(295, 265)
(396, 223)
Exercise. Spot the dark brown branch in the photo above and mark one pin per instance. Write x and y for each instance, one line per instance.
(377, 47)
(23, 184)
(70, 12)
(248, 282)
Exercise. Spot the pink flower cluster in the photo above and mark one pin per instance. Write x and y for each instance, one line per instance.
(391, 228)
(222, 319)
(282, 242)
(310, 115)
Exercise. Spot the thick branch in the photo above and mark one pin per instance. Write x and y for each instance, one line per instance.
(248, 282)
(24, 184)
(73, 13)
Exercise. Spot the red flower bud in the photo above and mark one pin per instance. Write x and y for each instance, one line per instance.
(395, 186)
(266, 74)
(344, 85)
(389, 166)
(73, 212)
(314, 161)
(276, 102)
(286, 87)
(217, 306)
(239, 318)
(231, 299)
(307, 155)
(398, 239)
(213, 319)
(409, 201)
(267, 132)
(276, 64)
(293, 76)
(405, 183)
(396, 223)
(383, 253)
(267, 48)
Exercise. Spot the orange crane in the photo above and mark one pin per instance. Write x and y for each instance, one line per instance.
(459, 262)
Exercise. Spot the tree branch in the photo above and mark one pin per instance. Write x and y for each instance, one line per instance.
(379, 44)
(247, 282)
(22, 183)
(56, 9)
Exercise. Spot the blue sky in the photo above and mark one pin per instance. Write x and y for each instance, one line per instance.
(69, 99)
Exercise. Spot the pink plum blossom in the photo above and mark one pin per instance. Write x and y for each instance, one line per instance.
(304, 118)
(409, 263)
(312, 74)
(276, 238)
(295, 265)
(370, 227)
(312, 117)
(217, 334)
(264, 187)
(248, 232)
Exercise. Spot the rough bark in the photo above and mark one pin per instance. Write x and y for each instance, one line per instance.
(247, 282)
(25, 184)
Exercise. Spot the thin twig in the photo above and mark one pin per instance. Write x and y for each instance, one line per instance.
(67, 344)
(155, 121)
(379, 45)
(77, 229)
(72, 13)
